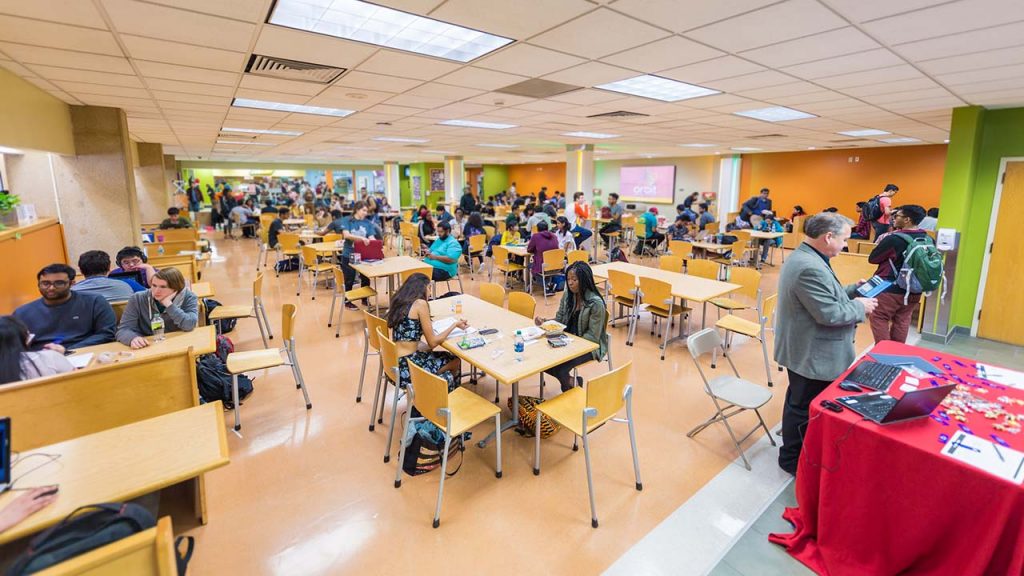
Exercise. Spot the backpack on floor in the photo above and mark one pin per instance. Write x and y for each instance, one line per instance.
(224, 347)
(287, 265)
(528, 418)
(423, 455)
(223, 326)
(618, 255)
(96, 526)
(873, 209)
(921, 272)
(214, 381)
(555, 284)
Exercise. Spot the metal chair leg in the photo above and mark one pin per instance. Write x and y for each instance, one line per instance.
(391, 428)
(767, 366)
(362, 370)
(330, 315)
(497, 444)
(632, 441)
(590, 477)
(234, 398)
(536, 449)
(377, 394)
(298, 375)
(401, 451)
(259, 322)
(440, 488)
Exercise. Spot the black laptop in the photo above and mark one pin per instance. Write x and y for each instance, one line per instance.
(883, 409)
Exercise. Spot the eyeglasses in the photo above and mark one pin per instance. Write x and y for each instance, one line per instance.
(131, 262)
(54, 284)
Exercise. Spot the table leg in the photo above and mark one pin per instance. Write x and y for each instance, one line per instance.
(704, 316)
(510, 423)
(682, 331)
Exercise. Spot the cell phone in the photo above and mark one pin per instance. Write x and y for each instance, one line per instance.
(488, 331)
(873, 287)
(49, 492)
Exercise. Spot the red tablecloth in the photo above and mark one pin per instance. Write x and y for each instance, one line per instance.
(883, 500)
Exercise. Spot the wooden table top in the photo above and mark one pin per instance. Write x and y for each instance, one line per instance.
(503, 368)
(712, 246)
(322, 248)
(766, 235)
(684, 286)
(203, 340)
(122, 463)
(517, 250)
(202, 289)
(389, 266)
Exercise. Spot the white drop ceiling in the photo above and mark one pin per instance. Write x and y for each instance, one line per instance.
(175, 65)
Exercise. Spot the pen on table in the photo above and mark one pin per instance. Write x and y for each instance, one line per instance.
(998, 453)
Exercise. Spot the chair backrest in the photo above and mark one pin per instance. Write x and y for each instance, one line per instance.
(257, 287)
(288, 322)
(574, 256)
(416, 245)
(499, 255)
(501, 226)
(308, 256)
(492, 293)
(702, 268)
(477, 242)
(489, 231)
(621, 283)
(372, 324)
(310, 220)
(680, 248)
(749, 280)
(288, 241)
(703, 342)
(405, 274)
(264, 234)
(656, 292)
(339, 280)
(429, 393)
(768, 309)
(850, 267)
(332, 237)
(554, 259)
(388, 353)
(185, 264)
(711, 228)
(522, 303)
(742, 238)
(851, 244)
(865, 247)
(406, 216)
(671, 262)
(605, 393)
(119, 307)
(147, 553)
(641, 228)
(176, 235)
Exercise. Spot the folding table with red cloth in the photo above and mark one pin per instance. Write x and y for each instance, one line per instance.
(883, 500)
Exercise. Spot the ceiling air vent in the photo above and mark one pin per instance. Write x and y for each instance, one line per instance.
(538, 88)
(764, 136)
(292, 69)
(618, 114)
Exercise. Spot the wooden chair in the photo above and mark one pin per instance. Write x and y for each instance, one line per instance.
(681, 248)
(731, 395)
(642, 241)
(749, 280)
(331, 237)
(553, 265)
(311, 264)
(501, 263)
(454, 413)
(389, 361)
(740, 251)
(582, 411)
(404, 275)
(355, 294)
(264, 246)
(477, 246)
(288, 246)
(711, 228)
(185, 264)
(371, 347)
(250, 360)
(656, 295)
(147, 553)
(574, 256)
(522, 303)
(703, 269)
(493, 293)
(119, 307)
(732, 323)
(623, 290)
(851, 267)
(489, 232)
(865, 247)
(671, 262)
(256, 311)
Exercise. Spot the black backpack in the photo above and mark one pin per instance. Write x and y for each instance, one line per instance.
(214, 381)
(873, 209)
(79, 533)
(223, 326)
(287, 265)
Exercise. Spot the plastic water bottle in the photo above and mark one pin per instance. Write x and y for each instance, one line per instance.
(160, 249)
(519, 346)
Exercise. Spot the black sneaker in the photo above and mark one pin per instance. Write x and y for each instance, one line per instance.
(351, 306)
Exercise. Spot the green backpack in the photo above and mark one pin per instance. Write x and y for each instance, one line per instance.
(922, 267)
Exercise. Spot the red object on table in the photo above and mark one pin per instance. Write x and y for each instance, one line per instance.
(882, 499)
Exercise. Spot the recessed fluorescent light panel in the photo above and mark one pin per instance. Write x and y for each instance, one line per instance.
(745, 149)
(258, 131)
(475, 124)
(901, 140)
(594, 135)
(862, 133)
(297, 108)
(775, 114)
(398, 139)
(499, 145)
(244, 143)
(698, 145)
(373, 24)
(657, 88)
(6, 150)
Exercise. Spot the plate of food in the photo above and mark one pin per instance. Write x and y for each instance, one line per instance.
(552, 327)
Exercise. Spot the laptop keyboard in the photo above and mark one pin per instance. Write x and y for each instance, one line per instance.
(876, 409)
(874, 375)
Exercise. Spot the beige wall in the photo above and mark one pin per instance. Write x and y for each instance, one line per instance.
(31, 118)
(29, 176)
(150, 184)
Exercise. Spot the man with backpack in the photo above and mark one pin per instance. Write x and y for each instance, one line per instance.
(909, 259)
(877, 210)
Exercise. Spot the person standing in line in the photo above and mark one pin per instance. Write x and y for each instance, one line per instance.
(883, 222)
(816, 323)
(891, 320)
(931, 221)
(756, 205)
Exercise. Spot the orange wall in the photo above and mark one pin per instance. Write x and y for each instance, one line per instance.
(530, 177)
(822, 178)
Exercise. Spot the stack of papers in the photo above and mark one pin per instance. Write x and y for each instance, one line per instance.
(80, 361)
(530, 332)
(1001, 375)
(442, 324)
(988, 456)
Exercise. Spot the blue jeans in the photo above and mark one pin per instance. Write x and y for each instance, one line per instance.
(581, 235)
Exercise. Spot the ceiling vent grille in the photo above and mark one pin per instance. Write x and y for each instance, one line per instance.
(537, 88)
(292, 69)
(764, 136)
(618, 114)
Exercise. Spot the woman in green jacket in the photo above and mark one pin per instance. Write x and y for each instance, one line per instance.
(583, 312)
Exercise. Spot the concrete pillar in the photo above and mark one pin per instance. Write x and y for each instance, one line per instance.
(150, 182)
(728, 180)
(454, 180)
(96, 187)
(579, 171)
(391, 185)
(29, 175)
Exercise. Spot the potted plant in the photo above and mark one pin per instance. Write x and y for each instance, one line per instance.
(8, 203)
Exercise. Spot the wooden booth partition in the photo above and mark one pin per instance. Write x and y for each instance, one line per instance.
(24, 251)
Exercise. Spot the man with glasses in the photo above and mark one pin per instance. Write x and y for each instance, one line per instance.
(132, 258)
(65, 320)
(891, 320)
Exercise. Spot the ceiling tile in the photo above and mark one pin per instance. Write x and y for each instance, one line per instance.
(74, 12)
(481, 78)
(870, 60)
(490, 99)
(544, 106)
(406, 65)
(817, 47)
(750, 81)
(587, 97)
(185, 73)
(979, 60)
(864, 10)
(777, 23)
(38, 33)
(590, 74)
(948, 18)
(791, 88)
(349, 98)
(984, 75)
(77, 88)
(190, 97)
(183, 54)
(717, 69)
(418, 101)
(280, 42)
(669, 13)
(189, 87)
(90, 76)
(65, 58)
(919, 83)
(18, 69)
(178, 25)
(444, 91)
(581, 36)
(255, 82)
(517, 20)
(528, 60)
(368, 81)
(964, 43)
(662, 54)
(876, 76)
(248, 10)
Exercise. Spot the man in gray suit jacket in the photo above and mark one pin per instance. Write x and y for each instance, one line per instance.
(816, 322)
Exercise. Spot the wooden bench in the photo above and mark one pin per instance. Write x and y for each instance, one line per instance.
(850, 267)
(150, 552)
(171, 248)
(176, 234)
(186, 264)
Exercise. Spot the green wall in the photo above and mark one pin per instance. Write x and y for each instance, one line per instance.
(404, 187)
(422, 169)
(495, 179)
(978, 140)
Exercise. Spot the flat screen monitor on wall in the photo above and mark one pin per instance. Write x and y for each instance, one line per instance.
(647, 184)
